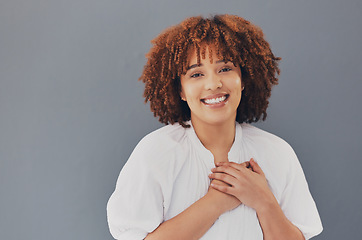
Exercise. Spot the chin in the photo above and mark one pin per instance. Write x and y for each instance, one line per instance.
(220, 120)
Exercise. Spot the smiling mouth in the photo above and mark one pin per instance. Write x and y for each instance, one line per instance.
(217, 100)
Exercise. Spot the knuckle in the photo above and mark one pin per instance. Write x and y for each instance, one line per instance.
(219, 169)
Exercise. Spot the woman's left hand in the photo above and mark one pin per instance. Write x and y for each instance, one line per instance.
(246, 182)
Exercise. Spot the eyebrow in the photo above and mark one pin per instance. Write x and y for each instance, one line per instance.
(197, 65)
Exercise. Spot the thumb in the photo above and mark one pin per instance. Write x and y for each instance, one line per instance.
(256, 168)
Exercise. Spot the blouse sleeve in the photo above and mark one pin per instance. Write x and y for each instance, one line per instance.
(136, 206)
(297, 202)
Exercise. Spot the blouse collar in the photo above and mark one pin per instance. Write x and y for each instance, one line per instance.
(234, 153)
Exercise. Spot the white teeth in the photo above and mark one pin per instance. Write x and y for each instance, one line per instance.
(215, 100)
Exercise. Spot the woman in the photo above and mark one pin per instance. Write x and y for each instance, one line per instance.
(210, 174)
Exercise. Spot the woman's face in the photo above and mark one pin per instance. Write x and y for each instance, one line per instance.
(211, 90)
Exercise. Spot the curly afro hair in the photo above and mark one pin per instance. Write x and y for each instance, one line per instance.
(234, 39)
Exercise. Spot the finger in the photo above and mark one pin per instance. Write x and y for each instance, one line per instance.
(226, 169)
(223, 188)
(255, 166)
(245, 164)
(226, 178)
(233, 164)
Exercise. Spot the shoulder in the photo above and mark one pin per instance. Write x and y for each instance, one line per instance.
(162, 139)
(160, 146)
(262, 139)
(273, 154)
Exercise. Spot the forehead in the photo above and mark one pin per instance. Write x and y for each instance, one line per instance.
(197, 52)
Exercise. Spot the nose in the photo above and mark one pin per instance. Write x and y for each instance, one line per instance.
(213, 82)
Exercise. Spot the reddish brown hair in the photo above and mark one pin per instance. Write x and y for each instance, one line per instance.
(234, 39)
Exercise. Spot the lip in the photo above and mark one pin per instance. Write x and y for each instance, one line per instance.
(213, 96)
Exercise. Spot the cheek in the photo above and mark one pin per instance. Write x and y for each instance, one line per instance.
(235, 84)
(191, 95)
(190, 91)
(238, 80)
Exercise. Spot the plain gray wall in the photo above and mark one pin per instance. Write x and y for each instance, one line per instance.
(71, 108)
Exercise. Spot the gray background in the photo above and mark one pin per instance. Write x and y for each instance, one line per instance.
(71, 108)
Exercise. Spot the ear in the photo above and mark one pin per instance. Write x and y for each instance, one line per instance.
(182, 95)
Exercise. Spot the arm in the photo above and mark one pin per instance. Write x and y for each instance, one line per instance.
(275, 225)
(251, 188)
(196, 220)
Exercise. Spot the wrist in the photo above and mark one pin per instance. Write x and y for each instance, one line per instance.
(213, 202)
(267, 206)
(275, 224)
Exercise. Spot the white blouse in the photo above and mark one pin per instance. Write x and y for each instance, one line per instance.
(168, 171)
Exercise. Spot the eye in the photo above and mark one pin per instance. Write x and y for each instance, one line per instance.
(196, 75)
(225, 69)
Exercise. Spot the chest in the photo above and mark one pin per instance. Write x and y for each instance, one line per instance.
(190, 183)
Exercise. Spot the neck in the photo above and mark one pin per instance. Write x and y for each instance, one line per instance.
(216, 138)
